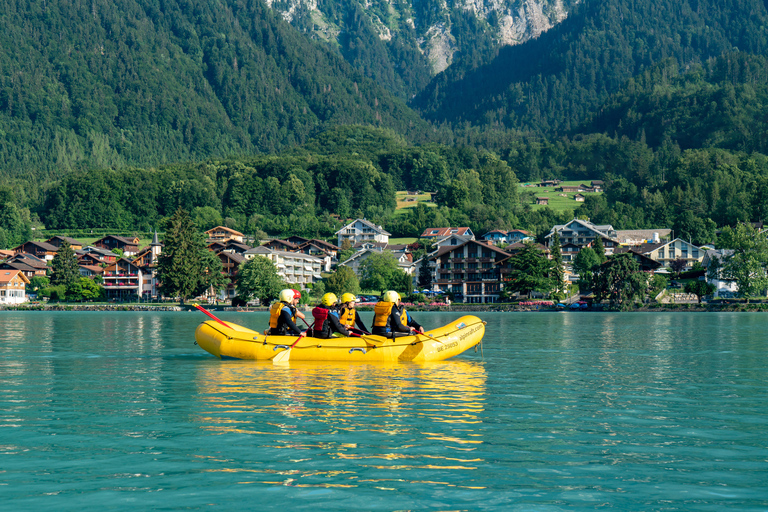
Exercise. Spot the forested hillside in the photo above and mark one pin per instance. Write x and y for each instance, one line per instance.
(143, 82)
(554, 83)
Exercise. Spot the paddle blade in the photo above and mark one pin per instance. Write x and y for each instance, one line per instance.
(283, 357)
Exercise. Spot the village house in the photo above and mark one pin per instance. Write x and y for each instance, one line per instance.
(224, 234)
(13, 286)
(401, 253)
(542, 200)
(712, 261)
(146, 260)
(645, 263)
(295, 268)
(439, 233)
(42, 250)
(667, 252)
(361, 230)
(129, 245)
(579, 198)
(122, 280)
(473, 271)
(583, 233)
(230, 263)
(502, 237)
(58, 241)
(28, 264)
(100, 253)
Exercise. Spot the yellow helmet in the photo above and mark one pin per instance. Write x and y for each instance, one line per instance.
(288, 295)
(329, 299)
(348, 297)
(391, 296)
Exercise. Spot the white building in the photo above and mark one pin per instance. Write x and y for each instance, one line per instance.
(294, 267)
(362, 230)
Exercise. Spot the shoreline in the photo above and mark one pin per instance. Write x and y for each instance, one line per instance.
(458, 308)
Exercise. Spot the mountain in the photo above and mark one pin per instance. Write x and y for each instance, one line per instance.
(403, 44)
(114, 83)
(552, 84)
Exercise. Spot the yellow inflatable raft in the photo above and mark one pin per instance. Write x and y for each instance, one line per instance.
(237, 342)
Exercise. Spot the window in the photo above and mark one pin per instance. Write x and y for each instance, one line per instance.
(445, 277)
(661, 253)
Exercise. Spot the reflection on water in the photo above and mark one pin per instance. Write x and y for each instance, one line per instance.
(312, 411)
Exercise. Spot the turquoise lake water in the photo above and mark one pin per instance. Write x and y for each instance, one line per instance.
(560, 411)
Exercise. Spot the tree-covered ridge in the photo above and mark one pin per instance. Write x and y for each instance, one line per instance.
(718, 104)
(143, 82)
(553, 83)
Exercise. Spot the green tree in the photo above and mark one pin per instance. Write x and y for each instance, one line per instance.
(746, 266)
(699, 288)
(64, 268)
(530, 271)
(186, 268)
(258, 278)
(599, 249)
(620, 280)
(342, 280)
(584, 264)
(377, 271)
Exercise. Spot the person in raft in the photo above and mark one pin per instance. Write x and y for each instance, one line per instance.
(283, 314)
(390, 318)
(327, 318)
(347, 314)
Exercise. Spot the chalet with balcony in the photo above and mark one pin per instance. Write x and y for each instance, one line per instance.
(102, 254)
(57, 241)
(42, 250)
(123, 280)
(13, 285)
(361, 230)
(224, 234)
(146, 260)
(230, 262)
(129, 245)
(583, 233)
(28, 264)
(473, 271)
(281, 245)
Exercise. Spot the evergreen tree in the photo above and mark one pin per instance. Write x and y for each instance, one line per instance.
(600, 249)
(425, 274)
(530, 271)
(64, 268)
(185, 267)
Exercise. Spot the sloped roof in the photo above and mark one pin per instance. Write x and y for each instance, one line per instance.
(7, 275)
(443, 232)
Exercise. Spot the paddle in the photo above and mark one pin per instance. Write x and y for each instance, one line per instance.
(201, 308)
(284, 356)
(429, 336)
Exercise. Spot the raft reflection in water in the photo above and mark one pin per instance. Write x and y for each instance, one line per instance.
(356, 421)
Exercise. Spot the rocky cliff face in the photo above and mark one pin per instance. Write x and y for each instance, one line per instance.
(439, 29)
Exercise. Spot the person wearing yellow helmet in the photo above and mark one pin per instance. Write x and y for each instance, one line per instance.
(347, 314)
(327, 318)
(390, 318)
(283, 314)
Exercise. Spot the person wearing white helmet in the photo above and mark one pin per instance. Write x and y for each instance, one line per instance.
(283, 314)
(326, 318)
(390, 318)
(348, 315)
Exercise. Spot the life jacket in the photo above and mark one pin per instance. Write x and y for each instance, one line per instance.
(347, 317)
(274, 315)
(381, 313)
(320, 315)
